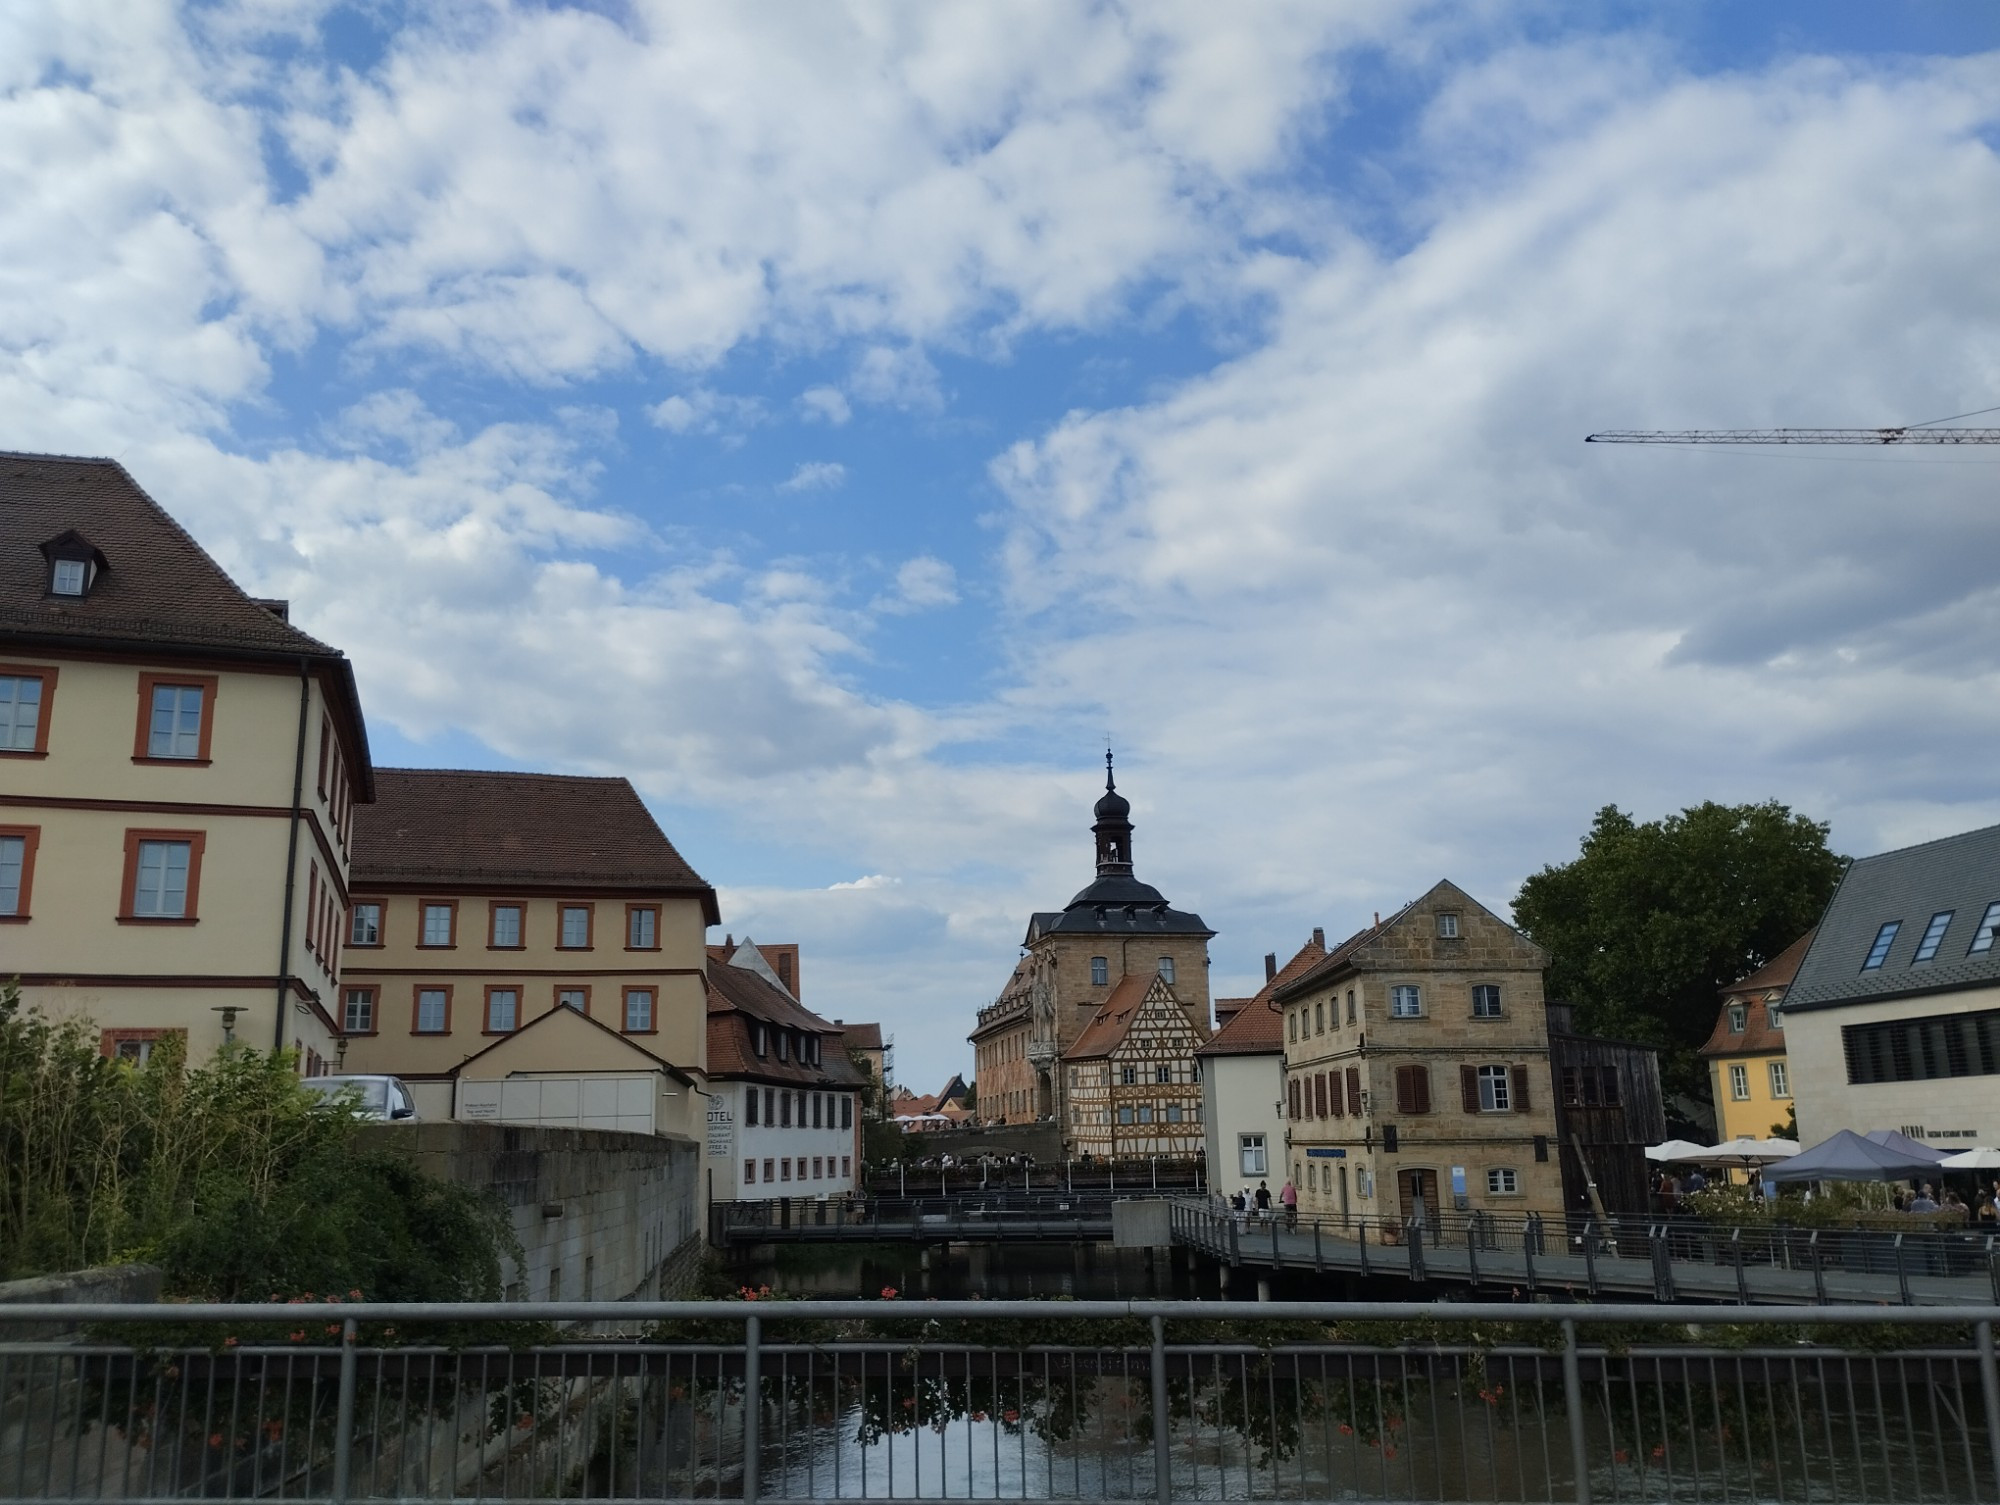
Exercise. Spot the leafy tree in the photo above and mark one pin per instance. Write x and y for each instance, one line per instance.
(1652, 920)
(971, 1098)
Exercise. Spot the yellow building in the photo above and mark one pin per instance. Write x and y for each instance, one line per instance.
(484, 900)
(1749, 1072)
(179, 773)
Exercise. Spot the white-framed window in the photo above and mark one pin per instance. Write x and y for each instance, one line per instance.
(358, 1011)
(69, 577)
(1250, 1154)
(20, 712)
(1774, 1014)
(1739, 1083)
(575, 935)
(437, 924)
(1503, 1182)
(1486, 1001)
(1166, 969)
(1494, 1094)
(638, 1009)
(573, 998)
(1406, 1001)
(1173, 1113)
(159, 888)
(1124, 1115)
(1145, 1113)
(431, 1010)
(1781, 1085)
(1163, 1074)
(507, 926)
(1739, 1018)
(642, 927)
(503, 1010)
(1982, 938)
(1128, 1076)
(1100, 971)
(364, 927)
(1447, 927)
(175, 728)
(13, 867)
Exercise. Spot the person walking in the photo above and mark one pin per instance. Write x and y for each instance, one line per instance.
(1288, 1195)
(1263, 1200)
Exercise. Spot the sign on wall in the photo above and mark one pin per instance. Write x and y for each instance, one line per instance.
(721, 1131)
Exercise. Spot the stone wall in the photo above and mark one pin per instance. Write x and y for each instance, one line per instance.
(599, 1215)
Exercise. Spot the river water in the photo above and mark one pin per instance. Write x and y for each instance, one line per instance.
(1021, 1271)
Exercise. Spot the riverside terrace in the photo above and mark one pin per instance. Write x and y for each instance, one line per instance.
(1024, 1400)
(1662, 1259)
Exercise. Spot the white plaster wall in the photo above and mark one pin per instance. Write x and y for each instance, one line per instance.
(1240, 1095)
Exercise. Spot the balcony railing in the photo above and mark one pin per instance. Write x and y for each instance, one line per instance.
(1061, 1401)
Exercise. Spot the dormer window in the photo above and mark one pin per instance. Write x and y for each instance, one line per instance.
(74, 564)
(763, 1044)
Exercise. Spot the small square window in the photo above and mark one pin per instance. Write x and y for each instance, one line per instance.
(1774, 1014)
(161, 880)
(69, 577)
(358, 1012)
(503, 1010)
(1447, 927)
(174, 730)
(438, 927)
(21, 698)
(433, 1015)
(506, 927)
(364, 927)
(1502, 1182)
(1163, 1074)
(575, 931)
(1128, 1076)
(1405, 1002)
(1738, 1018)
(1486, 1001)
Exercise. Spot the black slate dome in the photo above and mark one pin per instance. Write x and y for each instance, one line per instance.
(1112, 805)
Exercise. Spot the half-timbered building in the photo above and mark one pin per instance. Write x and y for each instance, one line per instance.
(1132, 1078)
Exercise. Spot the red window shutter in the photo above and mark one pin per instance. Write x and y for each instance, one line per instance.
(1333, 1093)
(1319, 1093)
(1468, 1087)
(1420, 1088)
(1295, 1097)
(1354, 1090)
(1405, 1093)
(1520, 1089)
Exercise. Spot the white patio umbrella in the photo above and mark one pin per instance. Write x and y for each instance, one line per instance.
(1749, 1152)
(1971, 1160)
(1676, 1149)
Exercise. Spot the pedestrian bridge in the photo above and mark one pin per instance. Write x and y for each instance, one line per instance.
(1661, 1259)
(967, 1218)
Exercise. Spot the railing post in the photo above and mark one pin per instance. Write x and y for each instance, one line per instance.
(1993, 1265)
(1736, 1255)
(1579, 1447)
(1319, 1255)
(1162, 1460)
(1590, 1257)
(343, 1419)
(1472, 1255)
(1531, 1235)
(1989, 1384)
(1275, 1260)
(1365, 1271)
(1902, 1272)
(1414, 1240)
(1235, 1250)
(753, 1404)
(1819, 1269)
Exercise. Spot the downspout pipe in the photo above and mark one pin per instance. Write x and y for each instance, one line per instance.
(292, 862)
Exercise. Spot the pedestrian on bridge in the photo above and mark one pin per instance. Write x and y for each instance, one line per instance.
(1288, 1195)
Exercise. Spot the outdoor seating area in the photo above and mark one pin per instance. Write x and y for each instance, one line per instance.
(1913, 1178)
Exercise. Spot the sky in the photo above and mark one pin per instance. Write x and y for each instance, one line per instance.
(842, 420)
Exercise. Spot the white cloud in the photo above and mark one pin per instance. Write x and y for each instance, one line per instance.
(816, 475)
(825, 405)
(922, 584)
(704, 411)
(898, 378)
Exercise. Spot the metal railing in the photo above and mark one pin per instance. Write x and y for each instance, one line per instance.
(1017, 1400)
(996, 1214)
(1672, 1258)
(1123, 1177)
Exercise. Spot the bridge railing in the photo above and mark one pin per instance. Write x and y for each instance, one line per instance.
(799, 1215)
(1017, 1400)
(1122, 1177)
(1894, 1258)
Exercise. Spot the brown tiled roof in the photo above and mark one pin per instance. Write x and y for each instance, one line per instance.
(738, 999)
(1258, 1028)
(437, 825)
(158, 589)
(1109, 1025)
(862, 1036)
(1778, 972)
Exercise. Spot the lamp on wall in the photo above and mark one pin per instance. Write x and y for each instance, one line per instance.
(229, 1011)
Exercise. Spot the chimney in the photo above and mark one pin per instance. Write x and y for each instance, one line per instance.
(1319, 937)
(1378, 919)
(838, 1022)
(1270, 965)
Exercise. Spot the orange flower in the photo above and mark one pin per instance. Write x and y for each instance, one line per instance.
(888, 1293)
(1346, 1430)
(228, 1342)
(299, 1336)
(524, 1421)
(1010, 1417)
(1621, 1456)
(274, 1429)
(215, 1439)
(1659, 1450)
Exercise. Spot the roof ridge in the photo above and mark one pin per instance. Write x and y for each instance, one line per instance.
(1917, 846)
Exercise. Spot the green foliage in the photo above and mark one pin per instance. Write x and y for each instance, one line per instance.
(233, 1176)
(1652, 920)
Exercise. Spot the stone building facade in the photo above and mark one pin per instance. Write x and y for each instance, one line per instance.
(1073, 960)
(1416, 1067)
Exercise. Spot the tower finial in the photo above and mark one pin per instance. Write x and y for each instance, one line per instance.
(1108, 784)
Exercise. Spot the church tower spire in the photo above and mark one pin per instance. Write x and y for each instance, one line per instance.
(1113, 828)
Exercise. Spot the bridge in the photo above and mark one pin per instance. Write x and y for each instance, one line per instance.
(1663, 1260)
(968, 1218)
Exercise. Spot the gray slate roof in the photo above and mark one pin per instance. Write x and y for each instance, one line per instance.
(1959, 873)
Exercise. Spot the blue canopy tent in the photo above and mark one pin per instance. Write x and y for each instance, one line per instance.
(1851, 1157)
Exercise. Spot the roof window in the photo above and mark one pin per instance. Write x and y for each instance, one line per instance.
(1884, 939)
(1982, 938)
(1933, 935)
(74, 564)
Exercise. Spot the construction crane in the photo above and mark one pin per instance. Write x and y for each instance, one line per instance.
(1910, 435)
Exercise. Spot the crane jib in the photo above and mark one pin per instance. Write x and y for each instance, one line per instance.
(1797, 436)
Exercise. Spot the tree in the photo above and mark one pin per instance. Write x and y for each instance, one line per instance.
(1651, 921)
(971, 1098)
